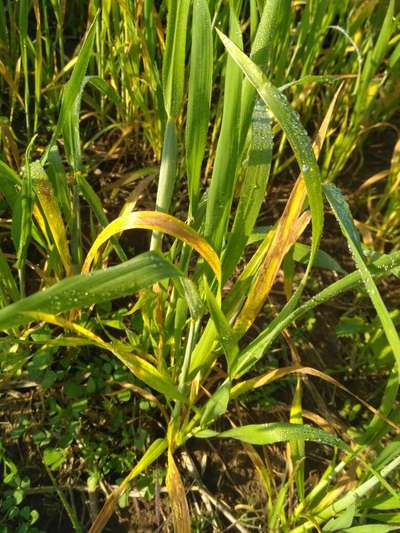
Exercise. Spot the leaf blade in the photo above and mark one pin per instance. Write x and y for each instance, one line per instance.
(155, 220)
(84, 290)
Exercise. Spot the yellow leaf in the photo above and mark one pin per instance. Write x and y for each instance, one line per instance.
(289, 228)
(52, 213)
(156, 221)
(177, 496)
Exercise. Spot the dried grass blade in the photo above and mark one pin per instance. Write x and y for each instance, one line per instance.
(177, 495)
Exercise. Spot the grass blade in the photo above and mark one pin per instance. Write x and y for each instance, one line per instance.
(177, 495)
(263, 434)
(261, 54)
(160, 222)
(58, 178)
(24, 7)
(71, 95)
(343, 215)
(253, 188)
(295, 132)
(226, 335)
(296, 448)
(198, 108)
(166, 181)
(52, 213)
(173, 72)
(84, 290)
(221, 189)
(216, 406)
(25, 221)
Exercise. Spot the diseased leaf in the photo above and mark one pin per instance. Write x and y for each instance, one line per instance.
(51, 211)
(177, 496)
(160, 222)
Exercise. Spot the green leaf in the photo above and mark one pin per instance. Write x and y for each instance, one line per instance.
(221, 189)
(343, 215)
(350, 326)
(124, 396)
(389, 452)
(173, 71)
(87, 289)
(216, 406)
(104, 88)
(206, 434)
(73, 389)
(34, 516)
(261, 53)
(281, 432)
(371, 528)
(25, 222)
(54, 457)
(345, 519)
(51, 211)
(71, 100)
(225, 333)
(167, 178)
(296, 134)
(24, 8)
(198, 108)
(301, 254)
(58, 178)
(188, 291)
(381, 503)
(18, 495)
(253, 189)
